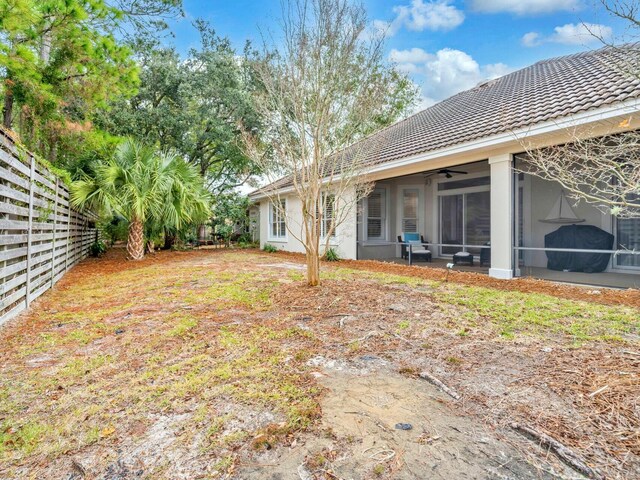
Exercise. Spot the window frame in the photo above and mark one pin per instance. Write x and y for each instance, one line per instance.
(419, 210)
(277, 217)
(384, 227)
(323, 226)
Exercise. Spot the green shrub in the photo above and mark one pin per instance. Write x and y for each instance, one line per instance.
(115, 230)
(245, 238)
(242, 244)
(331, 255)
(269, 248)
(97, 248)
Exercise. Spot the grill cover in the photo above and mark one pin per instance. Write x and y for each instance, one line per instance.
(583, 237)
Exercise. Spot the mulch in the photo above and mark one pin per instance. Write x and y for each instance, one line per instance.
(607, 296)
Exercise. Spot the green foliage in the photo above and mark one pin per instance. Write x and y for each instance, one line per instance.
(331, 255)
(61, 61)
(140, 184)
(230, 214)
(196, 106)
(269, 248)
(115, 229)
(98, 248)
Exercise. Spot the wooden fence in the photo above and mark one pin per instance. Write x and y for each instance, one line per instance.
(41, 237)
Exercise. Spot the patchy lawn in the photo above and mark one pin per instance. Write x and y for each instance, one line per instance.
(224, 364)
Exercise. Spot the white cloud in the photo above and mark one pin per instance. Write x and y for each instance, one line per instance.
(524, 7)
(445, 72)
(580, 34)
(531, 39)
(570, 34)
(435, 15)
(420, 15)
(415, 55)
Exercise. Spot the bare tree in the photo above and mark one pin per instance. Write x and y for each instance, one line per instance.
(324, 86)
(629, 42)
(602, 171)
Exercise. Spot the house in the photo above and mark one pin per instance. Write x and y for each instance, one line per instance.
(449, 173)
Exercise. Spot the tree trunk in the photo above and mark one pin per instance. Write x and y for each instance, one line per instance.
(169, 240)
(7, 109)
(313, 268)
(135, 241)
(202, 234)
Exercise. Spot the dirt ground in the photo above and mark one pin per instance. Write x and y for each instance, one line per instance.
(224, 364)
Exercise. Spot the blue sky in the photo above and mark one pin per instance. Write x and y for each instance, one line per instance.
(445, 45)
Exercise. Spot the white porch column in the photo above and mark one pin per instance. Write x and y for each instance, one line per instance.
(501, 216)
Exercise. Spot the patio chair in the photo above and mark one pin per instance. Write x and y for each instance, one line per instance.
(419, 248)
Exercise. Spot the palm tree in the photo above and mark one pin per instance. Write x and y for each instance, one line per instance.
(144, 187)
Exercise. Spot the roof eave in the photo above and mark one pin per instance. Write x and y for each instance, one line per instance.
(537, 131)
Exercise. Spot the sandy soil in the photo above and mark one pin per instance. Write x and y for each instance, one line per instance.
(184, 394)
(363, 403)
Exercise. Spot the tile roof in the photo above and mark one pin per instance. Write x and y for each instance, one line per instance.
(547, 90)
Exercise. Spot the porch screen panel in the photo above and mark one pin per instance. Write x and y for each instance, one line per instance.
(628, 238)
(451, 222)
(478, 220)
(410, 211)
(376, 215)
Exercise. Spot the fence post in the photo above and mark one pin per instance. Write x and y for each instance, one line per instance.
(55, 231)
(32, 176)
(66, 250)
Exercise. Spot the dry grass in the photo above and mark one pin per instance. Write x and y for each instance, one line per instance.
(215, 345)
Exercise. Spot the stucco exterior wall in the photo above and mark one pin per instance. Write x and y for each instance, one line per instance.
(345, 239)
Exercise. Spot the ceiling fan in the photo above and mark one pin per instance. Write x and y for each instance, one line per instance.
(446, 172)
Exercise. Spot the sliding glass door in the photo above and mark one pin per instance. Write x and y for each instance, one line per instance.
(465, 219)
(451, 223)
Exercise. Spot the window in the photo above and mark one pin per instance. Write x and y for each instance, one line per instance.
(377, 215)
(277, 219)
(328, 203)
(410, 211)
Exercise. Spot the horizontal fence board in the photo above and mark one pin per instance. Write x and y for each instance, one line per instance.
(15, 179)
(42, 179)
(41, 236)
(13, 239)
(12, 298)
(12, 313)
(9, 285)
(14, 163)
(34, 295)
(12, 253)
(51, 195)
(13, 194)
(11, 209)
(39, 282)
(13, 269)
(14, 224)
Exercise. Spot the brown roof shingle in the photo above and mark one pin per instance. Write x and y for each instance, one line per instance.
(547, 90)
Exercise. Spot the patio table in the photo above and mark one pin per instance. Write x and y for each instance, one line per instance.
(463, 257)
